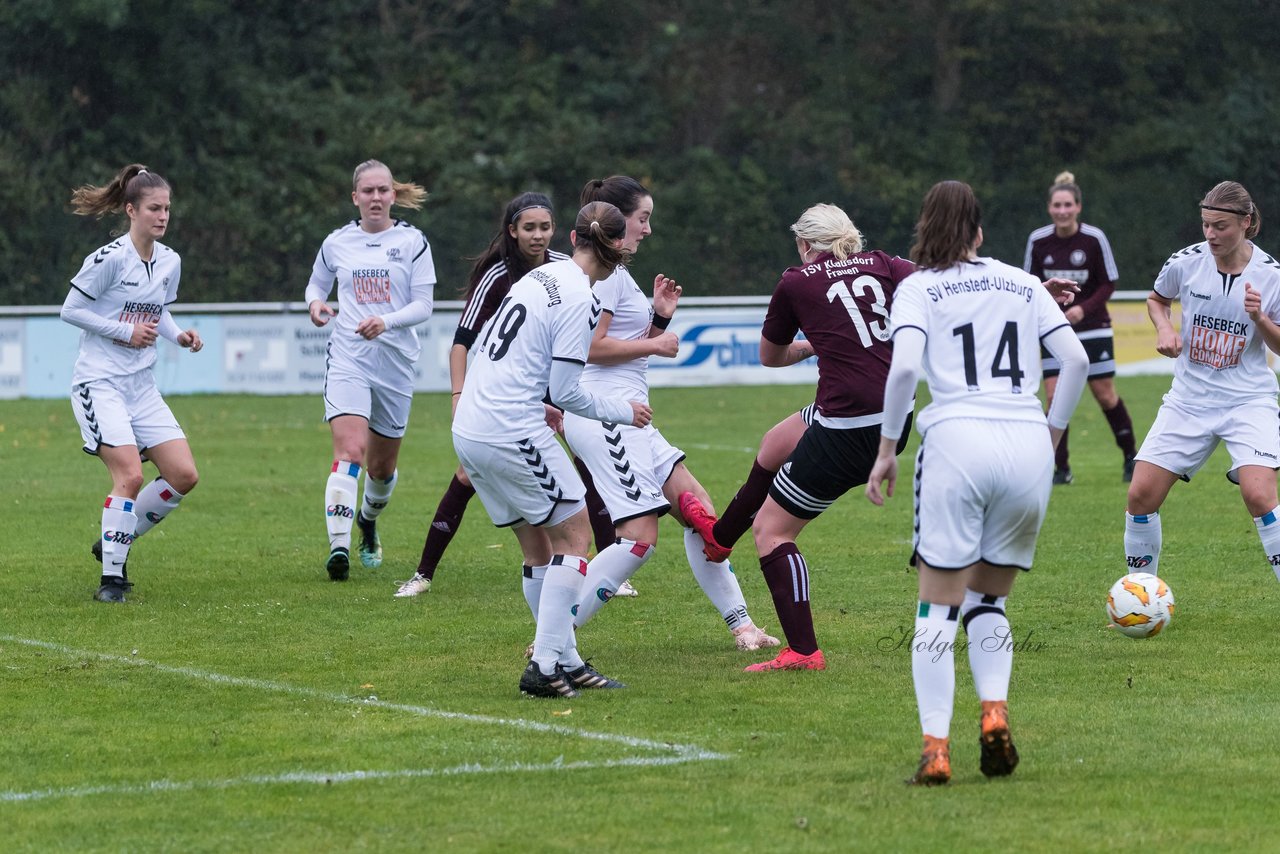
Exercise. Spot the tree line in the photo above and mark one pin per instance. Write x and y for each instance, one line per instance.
(737, 114)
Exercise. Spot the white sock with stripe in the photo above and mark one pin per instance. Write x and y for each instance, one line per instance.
(532, 586)
(717, 581)
(118, 525)
(561, 585)
(376, 494)
(156, 500)
(340, 502)
(1269, 531)
(605, 575)
(1142, 540)
(933, 667)
(990, 644)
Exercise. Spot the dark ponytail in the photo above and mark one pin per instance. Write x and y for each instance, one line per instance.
(620, 191)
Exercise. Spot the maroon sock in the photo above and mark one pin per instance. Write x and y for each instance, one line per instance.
(1121, 427)
(602, 529)
(1060, 461)
(736, 519)
(448, 517)
(787, 575)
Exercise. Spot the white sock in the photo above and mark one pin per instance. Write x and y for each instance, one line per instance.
(376, 494)
(1142, 539)
(157, 500)
(118, 525)
(605, 575)
(533, 576)
(933, 666)
(717, 581)
(340, 502)
(560, 587)
(990, 644)
(1269, 530)
(571, 659)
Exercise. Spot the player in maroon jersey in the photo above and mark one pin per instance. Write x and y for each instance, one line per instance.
(1074, 250)
(523, 242)
(839, 298)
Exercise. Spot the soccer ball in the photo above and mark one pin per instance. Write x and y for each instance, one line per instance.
(1140, 605)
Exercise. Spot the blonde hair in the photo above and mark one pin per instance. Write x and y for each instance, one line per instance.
(1230, 197)
(408, 195)
(1066, 181)
(126, 188)
(828, 229)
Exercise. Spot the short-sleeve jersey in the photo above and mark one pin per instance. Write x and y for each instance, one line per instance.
(376, 274)
(549, 315)
(492, 288)
(1085, 258)
(632, 313)
(129, 290)
(983, 321)
(1223, 359)
(843, 309)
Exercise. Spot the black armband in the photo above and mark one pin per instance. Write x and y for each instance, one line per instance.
(660, 322)
(464, 336)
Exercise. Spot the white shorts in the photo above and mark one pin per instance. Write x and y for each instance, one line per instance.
(628, 464)
(981, 491)
(1182, 439)
(528, 480)
(378, 389)
(123, 411)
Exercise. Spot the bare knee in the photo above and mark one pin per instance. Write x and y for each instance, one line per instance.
(1259, 501)
(774, 526)
(184, 480)
(128, 483)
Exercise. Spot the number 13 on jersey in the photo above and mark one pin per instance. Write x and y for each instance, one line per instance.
(869, 287)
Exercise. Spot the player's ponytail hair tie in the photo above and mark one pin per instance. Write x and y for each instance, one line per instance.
(598, 229)
(125, 188)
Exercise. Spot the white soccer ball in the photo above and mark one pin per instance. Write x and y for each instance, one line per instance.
(1140, 605)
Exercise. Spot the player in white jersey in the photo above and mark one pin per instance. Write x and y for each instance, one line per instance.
(534, 348)
(386, 282)
(638, 473)
(985, 465)
(522, 243)
(1223, 390)
(120, 300)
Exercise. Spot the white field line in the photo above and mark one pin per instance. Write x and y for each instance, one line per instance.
(674, 753)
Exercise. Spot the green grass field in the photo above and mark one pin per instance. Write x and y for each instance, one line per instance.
(242, 702)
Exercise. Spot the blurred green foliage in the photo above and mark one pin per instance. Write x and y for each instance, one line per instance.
(737, 114)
